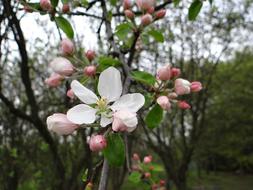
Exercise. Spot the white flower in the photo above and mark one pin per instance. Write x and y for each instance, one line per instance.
(110, 90)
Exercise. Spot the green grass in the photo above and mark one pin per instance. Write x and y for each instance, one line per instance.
(221, 181)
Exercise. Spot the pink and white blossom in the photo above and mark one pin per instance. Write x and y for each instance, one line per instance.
(146, 19)
(196, 86)
(97, 143)
(164, 73)
(70, 94)
(54, 80)
(59, 124)
(90, 70)
(145, 4)
(124, 107)
(67, 47)
(45, 5)
(183, 105)
(164, 102)
(147, 159)
(62, 66)
(182, 86)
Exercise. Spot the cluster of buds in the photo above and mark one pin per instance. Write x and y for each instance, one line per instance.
(147, 7)
(146, 169)
(180, 87)
(63, 68)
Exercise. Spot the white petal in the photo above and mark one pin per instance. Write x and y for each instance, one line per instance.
(83, 93)
(128, 118)
(105, 121)
(109, 85)
(131, 129)
(82, 114)
(131, 102)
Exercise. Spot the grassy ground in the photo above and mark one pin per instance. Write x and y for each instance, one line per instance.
(221, 181)
(213, 181)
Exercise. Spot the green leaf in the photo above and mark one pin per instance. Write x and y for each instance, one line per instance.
(115, 150)
(65, 26)
(34, 6)
(176, 2)
(134, 177)
(195, 9)
(105, 62)
(84, 3)
(113, 2)
(54, 3)
(157, 168)
(154, 117)
(143, 77)
(157, 35)
(123, 30)
(64, 1)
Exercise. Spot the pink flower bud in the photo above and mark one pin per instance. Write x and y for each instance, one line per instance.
(147, 175)
(162, 182)
(90, 54)
(70, 94)
(147, 159)
(196, 86)
(54, 80)
(146, 19)
(97, 143)
(67, 47)
(172, 95)
(65, 8)
(164, 73)
(127, 4)
(155, 187)
(59, 124)
(129, 14)
(160, 14)
(62, 66)
(151, 10)
(136, 157)
(182, 86)
(183, 105)
(90, 70)
(145, 4)
(45, 5)
(175, 72)
(164, 102)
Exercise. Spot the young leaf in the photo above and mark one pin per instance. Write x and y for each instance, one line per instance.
(113, 2)
(123, 30)
(195, 9)
(34, 6)
(54, 3)
(154, 117)
(65, 26)
(176, 2)
(157, 35)
(144, 77)
(135, 177)
(115, 150)
(105, 62)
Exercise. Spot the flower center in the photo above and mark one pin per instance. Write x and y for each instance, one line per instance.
(102, 104)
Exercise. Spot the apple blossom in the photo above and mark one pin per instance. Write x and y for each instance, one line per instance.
(54, 80)
(182, 86)
(175, 72)
(129, 14)
(196, 86)
(70, 94)
(90, 54)
(136, 157)
(147, 159)
(59, 124)
(164, 102)
(90, 70)
(97, 143)
(123, 110)
(45, 5)
(65, 8)
(164, 73)
(146, 19)
(183, 105)
(145, 4)
(160, 14)
(147, 175)
(127, 4)
(62, 66)
(124, 121)
(172, 95)
(67, 47)
(162, 182)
